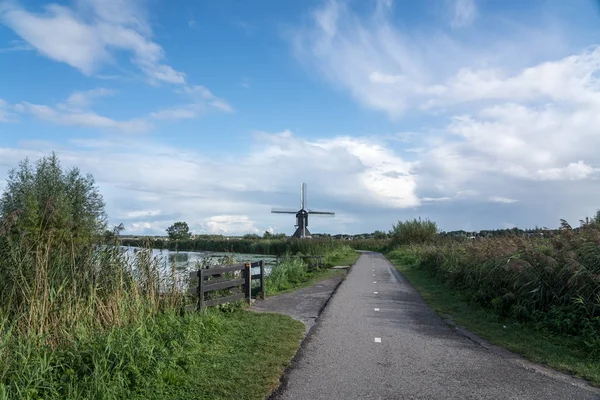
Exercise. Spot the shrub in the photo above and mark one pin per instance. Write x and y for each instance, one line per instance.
(287, 273)
(414, 232)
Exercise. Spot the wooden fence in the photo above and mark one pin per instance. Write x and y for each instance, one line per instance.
(240, 283)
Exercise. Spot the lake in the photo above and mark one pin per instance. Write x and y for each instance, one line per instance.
(188, 261)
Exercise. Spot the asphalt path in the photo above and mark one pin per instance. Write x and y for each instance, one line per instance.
(377, 339)
(304, 304)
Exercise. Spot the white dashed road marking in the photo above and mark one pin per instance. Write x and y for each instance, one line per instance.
(375, 292)
(377, 309)
(377, 340)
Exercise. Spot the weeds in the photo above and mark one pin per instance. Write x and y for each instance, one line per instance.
(554, 282)
(287, 273)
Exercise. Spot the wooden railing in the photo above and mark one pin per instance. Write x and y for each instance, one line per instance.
(212, 280)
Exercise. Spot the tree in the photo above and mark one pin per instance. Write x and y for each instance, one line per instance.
(111, 235)
(380, 235)
(179, 231)
(42, 201)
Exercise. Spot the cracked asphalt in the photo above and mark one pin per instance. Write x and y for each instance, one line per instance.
(377, 339)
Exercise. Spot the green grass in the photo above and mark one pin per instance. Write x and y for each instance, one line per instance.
(349, 259)
(211, 355)
(310, 279)
(245, 360)
(293, 273)
(563, 353)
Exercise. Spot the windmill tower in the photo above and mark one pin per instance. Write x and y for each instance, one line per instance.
(301, 215)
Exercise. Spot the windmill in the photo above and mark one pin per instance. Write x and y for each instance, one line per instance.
(301, 215)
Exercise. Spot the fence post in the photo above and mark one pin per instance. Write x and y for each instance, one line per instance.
(248, 283)
(262, 279)
(200, 289)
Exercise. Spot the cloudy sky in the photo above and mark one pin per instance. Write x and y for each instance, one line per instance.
(479, 114)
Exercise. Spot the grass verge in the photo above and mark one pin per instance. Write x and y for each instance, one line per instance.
(292, 273)
(559, 352)
(210, 355)
(349, 259)
(246, 361)
(310, 279)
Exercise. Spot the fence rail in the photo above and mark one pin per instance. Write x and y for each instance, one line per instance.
(214, 279)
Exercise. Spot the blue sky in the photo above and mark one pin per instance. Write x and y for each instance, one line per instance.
(477, 114)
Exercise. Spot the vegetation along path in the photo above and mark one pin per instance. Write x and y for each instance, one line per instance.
(377, 339)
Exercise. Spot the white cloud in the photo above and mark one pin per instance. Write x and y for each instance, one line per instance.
(570, 79)
(395, 70)
(88, 35)
(573, 171)
(175, 113)
(524, 122)
(228, 224)
(79, 100)
(142, 213)
(510, 114)
(463, 13)
(232, 193)
(16, 45)
(201, 100)
(140, 227)
(3, 111)
(504, 200)
(75, 111)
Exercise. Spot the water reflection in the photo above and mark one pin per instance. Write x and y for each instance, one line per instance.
(184, 262)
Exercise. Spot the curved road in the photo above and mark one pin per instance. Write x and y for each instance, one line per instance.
(377, 339)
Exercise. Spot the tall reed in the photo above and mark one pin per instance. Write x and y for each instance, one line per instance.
(553, 282)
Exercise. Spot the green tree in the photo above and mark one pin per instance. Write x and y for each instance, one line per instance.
(50, 220)
(380, 235)
(179, 231)
(42, 200)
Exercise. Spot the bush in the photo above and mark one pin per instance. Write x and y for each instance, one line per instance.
(414, 232)
(70, 308)
(288, 272)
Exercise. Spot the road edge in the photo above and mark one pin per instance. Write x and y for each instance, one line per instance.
(283, 380)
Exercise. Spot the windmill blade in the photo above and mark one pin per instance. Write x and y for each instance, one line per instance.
(321, 212)
(283, 211)
(302, 195)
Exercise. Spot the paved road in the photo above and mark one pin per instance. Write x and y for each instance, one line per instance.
(304, 304)
(377, 339)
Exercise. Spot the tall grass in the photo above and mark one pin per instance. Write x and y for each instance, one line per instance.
(289, 272)
(62, 312)
(554, 282)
